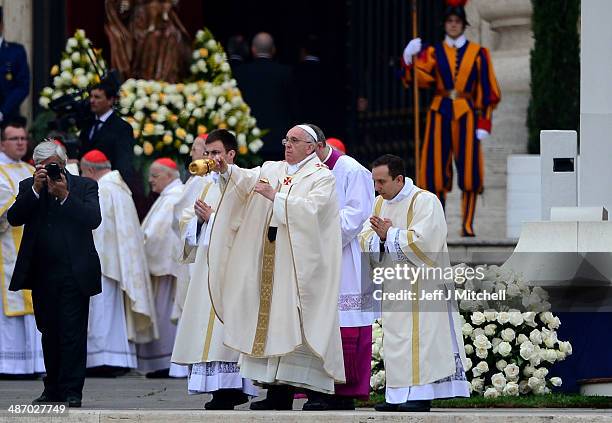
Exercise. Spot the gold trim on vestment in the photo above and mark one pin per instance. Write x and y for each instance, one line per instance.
(265, 294)
(209, 332)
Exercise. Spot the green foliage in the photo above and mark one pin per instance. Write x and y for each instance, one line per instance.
(555, 69)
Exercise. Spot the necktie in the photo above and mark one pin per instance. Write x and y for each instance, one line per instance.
(95, 129)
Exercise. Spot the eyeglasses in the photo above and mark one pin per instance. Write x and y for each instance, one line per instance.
(17, 139)
(294, 141)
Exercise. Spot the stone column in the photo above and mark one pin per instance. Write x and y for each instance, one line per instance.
(504, 27)
(18, 28)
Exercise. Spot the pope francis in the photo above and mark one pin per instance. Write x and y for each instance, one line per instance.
(274, 271)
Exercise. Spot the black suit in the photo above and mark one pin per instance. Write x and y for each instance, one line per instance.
(266, 87)
(58, 261)
(312, 94)
(115, 138)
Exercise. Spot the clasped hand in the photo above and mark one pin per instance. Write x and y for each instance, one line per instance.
(380, 226)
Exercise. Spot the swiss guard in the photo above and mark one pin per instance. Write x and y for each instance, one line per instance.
(459, 118)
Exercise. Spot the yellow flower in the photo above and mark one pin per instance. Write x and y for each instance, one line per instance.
(243, 149)
(149, 128)
(159, 146)
(179, 88)
(96, 79)
(202, 129)
(148, 90)
(55, 70)
(173, 118)
(203, 52)
(161, 97)
(136, 133)
(167, 139)
(177, 144)
(75, 80)
(222, 125)
(130, 119)
(154, 116)
(192, 120)
(180, 133)
(147, 148)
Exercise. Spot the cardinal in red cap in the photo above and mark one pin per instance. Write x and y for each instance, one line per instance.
(94, 165)
(161, 244)
(336, 144)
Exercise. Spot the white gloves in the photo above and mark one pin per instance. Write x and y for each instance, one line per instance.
(481, 134)
(413, 47)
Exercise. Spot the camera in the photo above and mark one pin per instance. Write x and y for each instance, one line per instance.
(54, 171)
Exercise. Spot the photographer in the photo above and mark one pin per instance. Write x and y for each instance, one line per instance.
(58, 261)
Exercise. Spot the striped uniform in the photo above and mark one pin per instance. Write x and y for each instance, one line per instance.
(466, 94)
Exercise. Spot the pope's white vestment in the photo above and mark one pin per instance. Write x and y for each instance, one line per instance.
(424, 352)
(20, 341)
(274, 273)
(124, 312)
(199, 337)
(161, 243)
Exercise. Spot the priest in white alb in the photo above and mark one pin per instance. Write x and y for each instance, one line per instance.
(274, 271)
(161, 244)
(123, 314)
(213, 368)
(424, 352)
(20, 340)
(355, 192)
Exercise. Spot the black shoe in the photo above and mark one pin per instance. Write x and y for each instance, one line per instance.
(74, 402)
(344, 403)
(385, 406)
(159, 374)
(419, 406)
(279, 397)
(46, 398)
(467, 234)
(318, 401)
(226, 399)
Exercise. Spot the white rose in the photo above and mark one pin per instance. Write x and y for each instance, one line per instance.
(467, 329)
(256, 132)
(482, 353)
(516, 318)
(227, 106)
(184, 149)
(528, 370)
(513, 290)
(521, 338)
(66, 77)
(524, 387)
(469, 349)
(66, 64)
(137, 150)
(503, 318)
(556, 381)
(565, 347)
(490, 329)
(501, 364)
(508, 335)
(199, 34)
(218, 58)
(530, 301)
(477, 384)
(504, 349)
(482, 367)
(527, 350)
(534, 383)
(549, 355)
(511, 389)
(82, 81)
(491, 393)
(554, 323)
(196, 54)
(541, 373)
(254, 146)
(477, 332)
(75, 57)
(512, 370)
(140, 104)
(499, 381)
(71, 43)
(193, 69)
(211, 44)
(540, 292)
(44, 102)
(468, 364)
(482, 342)
(560, 355)
(529, 318)
(231, 121)
(536, 337)
(225, 67)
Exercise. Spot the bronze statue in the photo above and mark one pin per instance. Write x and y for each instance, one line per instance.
(147, 39)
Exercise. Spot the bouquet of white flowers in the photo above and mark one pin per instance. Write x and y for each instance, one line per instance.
(510, 344)
(167, 117)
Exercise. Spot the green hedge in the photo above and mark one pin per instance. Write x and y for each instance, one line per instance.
(555, 69)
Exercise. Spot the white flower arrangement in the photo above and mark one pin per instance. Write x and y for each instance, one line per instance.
(509, 344)
(166, 117)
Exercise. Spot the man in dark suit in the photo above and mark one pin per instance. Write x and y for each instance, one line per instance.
(266, 87)
(108, 132)
(58, 261)
(14, 76)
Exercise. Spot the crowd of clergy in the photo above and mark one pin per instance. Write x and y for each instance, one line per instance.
(249, 279)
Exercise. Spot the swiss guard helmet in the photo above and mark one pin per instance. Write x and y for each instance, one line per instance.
(457, 8)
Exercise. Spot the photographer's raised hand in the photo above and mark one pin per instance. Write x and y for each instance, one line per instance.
(40, 178)
(58, 189)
